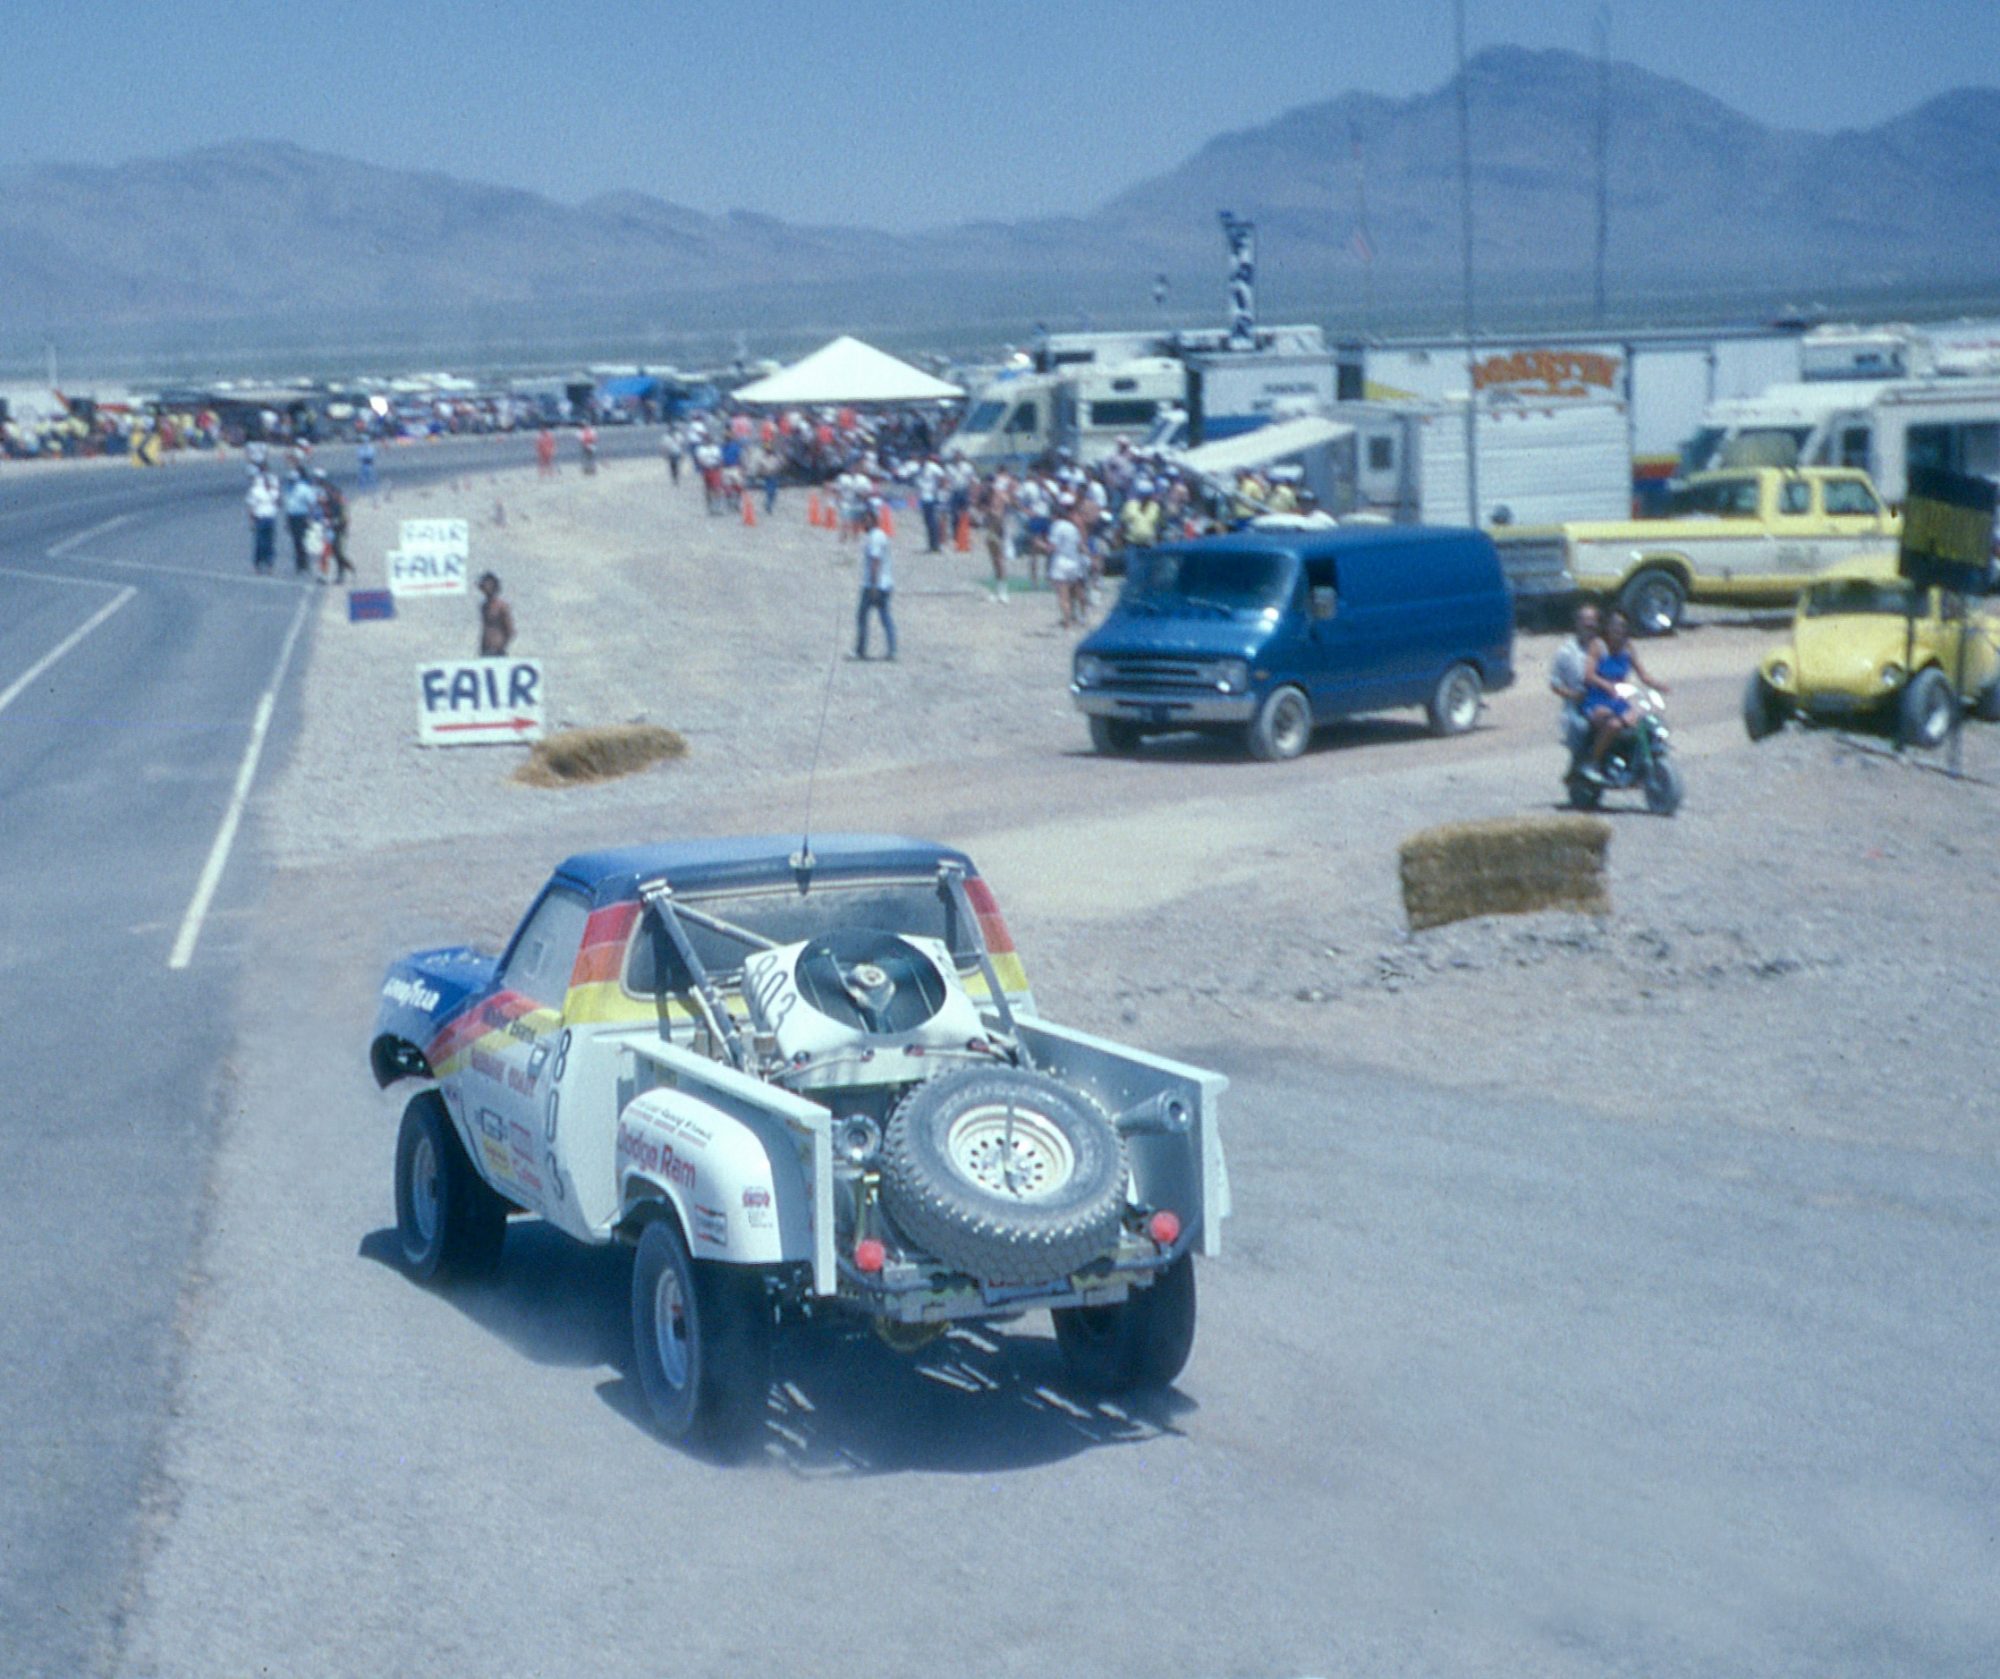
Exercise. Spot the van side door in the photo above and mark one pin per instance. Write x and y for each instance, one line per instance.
(1341, 650)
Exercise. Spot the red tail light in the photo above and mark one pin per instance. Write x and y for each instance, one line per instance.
(870, 1255)
(1164, 1227)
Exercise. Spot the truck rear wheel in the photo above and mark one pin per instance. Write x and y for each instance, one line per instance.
(1653, 599)
(1143, 1342)
(701, 1343)
(1454, 702)
(1282, 727)
(450, 1224)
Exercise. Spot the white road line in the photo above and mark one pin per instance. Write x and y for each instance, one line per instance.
(57, 577)
(10, 694)
(56, 550)
(225, 836)
(187, 574)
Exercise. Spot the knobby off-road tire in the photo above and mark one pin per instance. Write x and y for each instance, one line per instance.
(1584, 794)
(1143, 1342)
(1763, 712)
(450, 1224)
(1923, 718)
(1282, 727)
(701, 1343)
(1004, 1174)
(1653, 599)
(1115, 737)
(1454, 703)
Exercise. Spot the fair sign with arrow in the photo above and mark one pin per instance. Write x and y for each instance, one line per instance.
(479, 702)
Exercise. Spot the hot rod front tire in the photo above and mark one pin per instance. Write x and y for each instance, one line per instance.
(450, 1224)
(1143, 1342)
(701, 1343)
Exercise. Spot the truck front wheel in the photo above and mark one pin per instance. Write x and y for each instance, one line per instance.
(450, 1224)
(1283, 725)
(701, 1343)
(1143, 1342)
(1115, 737)
(1653, 599)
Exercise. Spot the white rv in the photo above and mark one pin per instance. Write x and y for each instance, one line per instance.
(1884, 427)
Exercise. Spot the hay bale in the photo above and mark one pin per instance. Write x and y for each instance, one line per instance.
(574, 757)
(1512, 865)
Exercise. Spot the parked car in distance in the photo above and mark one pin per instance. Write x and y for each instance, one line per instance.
(1265, 635)
(1869, 648)
(1756, 535)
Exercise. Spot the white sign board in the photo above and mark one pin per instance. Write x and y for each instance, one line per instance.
(425, 572)
(436, 536)
(478, 702)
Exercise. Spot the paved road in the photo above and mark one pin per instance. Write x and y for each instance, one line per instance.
(135, 649)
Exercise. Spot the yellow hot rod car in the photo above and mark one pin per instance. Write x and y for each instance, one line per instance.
(1869, 649)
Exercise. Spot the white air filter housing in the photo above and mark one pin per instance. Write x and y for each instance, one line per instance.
(859, 1008)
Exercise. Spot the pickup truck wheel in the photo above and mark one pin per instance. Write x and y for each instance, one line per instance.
(1004, 1174)
(701, 1343)
(1282, 727)
(1653, 599)
(1763, 711)
(1143, 1342)
(1924, 717)
(449, 1222)
(1115, 737)
(1454, 702)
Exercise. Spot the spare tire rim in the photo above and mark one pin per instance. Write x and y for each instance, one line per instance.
(424, 1191)
(1655, 606)
(670, 1327)
(1011, 1152)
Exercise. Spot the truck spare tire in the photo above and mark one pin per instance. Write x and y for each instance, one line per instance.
(1004, 1174)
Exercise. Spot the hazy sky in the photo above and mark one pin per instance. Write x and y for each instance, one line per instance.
(892, 112)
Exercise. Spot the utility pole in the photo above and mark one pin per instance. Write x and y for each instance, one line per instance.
(1601, 148)
(1465, 239)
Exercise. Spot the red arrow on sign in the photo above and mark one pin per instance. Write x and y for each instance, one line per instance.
(517, 724)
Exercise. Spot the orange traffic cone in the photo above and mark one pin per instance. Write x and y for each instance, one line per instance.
(812, 509)
(888, 521)
(962, 537)
(749, 509)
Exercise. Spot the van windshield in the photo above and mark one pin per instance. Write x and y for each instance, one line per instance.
(1223, 580)
(1840, 596)
(983, 417)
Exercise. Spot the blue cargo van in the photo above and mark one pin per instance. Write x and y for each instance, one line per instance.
(1267, 634)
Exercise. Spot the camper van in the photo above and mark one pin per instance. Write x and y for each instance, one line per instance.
(1883, 427)
(1085, 409)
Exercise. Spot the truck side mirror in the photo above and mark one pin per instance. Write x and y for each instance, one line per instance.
(1325, 602)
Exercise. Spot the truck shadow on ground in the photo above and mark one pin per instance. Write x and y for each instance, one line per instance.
(1229, 748)
(975, 1400)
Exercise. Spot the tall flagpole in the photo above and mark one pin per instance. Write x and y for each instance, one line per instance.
(1465, 240)
(1364, 244)
(1601, 138)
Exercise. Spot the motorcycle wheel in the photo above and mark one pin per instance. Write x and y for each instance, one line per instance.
(1584, 794)
(1663, 787)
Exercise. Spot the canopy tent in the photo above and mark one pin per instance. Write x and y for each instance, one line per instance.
(1252, 451)
(849, 372)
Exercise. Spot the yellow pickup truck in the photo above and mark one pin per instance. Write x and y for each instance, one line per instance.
(1754, 535)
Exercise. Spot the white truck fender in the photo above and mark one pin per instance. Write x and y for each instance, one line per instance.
(717, 1175)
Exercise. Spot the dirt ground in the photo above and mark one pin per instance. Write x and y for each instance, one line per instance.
(1809, 946)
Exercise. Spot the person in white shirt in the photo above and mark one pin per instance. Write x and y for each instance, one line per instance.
(1067, 566)
(262, 502)
(878, 583)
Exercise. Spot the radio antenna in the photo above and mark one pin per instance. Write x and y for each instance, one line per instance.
(803, 859)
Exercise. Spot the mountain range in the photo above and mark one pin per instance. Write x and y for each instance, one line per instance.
(1697, 193)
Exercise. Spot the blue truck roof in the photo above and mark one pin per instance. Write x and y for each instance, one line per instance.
(612, 876)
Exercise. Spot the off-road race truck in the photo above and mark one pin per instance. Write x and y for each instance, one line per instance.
(1752, 535)
(798, 1083)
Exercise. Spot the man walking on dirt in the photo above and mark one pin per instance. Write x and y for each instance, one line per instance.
(877, 584)
(496, 618)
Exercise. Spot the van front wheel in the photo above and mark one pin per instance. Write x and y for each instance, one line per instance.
(1282, 727)
(1454, 703)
